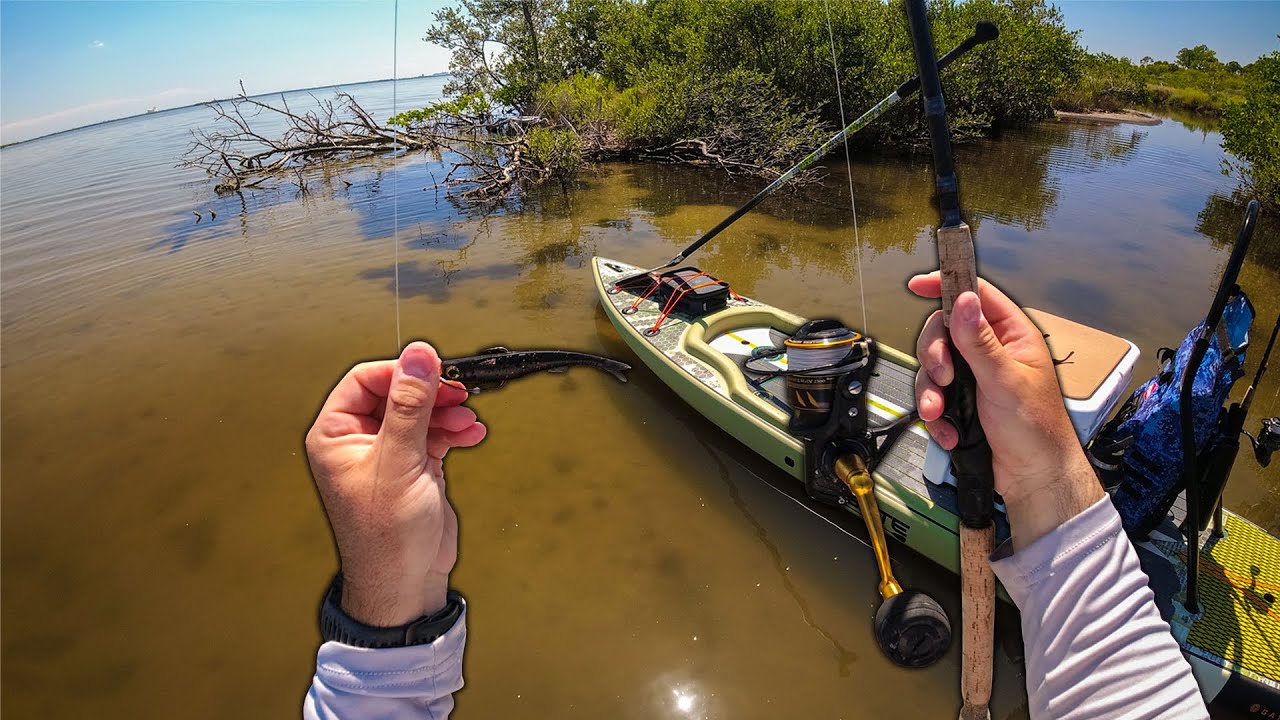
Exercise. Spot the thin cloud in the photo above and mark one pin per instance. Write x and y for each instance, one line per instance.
(95, 112)
(97, 44)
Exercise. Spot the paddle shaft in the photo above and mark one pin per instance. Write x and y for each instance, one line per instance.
(971, 458)
(1247, 402)
(983, 32)
(1190, 469)
(1223, 457)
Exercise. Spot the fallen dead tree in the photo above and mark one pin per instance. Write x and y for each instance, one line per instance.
(255, 144)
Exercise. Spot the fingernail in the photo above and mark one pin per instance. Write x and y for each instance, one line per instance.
(415, 364)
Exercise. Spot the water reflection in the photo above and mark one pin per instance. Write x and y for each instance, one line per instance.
(1203, 125)
(1220, 221)
(1019, 183)
(216, 218)
(1253, 492)
(684, 700)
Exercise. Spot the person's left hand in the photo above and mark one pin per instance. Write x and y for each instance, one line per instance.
(376, 452)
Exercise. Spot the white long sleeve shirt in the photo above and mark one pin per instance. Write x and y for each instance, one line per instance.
(1095, 644)
(388, 684)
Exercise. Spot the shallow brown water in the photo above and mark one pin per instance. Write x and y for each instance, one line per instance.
(163, 550)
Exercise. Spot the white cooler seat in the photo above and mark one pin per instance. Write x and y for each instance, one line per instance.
(1094, 377)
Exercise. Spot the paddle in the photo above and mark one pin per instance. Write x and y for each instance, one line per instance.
(1190, 470)
(982, 32)
(971, 458)
(1223, 456)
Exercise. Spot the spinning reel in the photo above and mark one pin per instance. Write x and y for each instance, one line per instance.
(829, 401)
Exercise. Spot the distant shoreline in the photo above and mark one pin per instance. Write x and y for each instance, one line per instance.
(217, 100)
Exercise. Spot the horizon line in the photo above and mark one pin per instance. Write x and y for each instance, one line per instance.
(442, 73)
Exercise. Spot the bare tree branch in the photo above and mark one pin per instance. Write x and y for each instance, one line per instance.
(256, 144)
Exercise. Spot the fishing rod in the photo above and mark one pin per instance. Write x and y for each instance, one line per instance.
(971, 458)
(1190, 464)
(1223, 456)
(982, 32)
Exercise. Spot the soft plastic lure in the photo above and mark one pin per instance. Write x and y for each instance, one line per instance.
(492, 368)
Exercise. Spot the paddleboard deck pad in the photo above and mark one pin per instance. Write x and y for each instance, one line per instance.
(1233, 647)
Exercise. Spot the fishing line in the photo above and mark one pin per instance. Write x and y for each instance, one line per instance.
(802, 506)
(395, 156)
(395, 222)
(853, 204)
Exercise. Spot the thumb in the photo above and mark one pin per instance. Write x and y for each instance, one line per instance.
(976, 340)
(410, 400)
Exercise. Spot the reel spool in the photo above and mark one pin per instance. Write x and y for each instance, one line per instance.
(818, 354)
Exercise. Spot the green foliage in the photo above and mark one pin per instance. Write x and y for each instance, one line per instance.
(740, 113)
(1106, 83)
(494, 46)
(1034, 59)
(1251, 131)
(572, 43)
(1198, 83)
(1199, 58)
(1192, 99)
(558, 151)
(671, 68)
(788, 42)
(470, 106)
(1220, 84)
(580, 99)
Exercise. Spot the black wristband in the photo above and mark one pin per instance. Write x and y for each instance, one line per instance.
(337, 626)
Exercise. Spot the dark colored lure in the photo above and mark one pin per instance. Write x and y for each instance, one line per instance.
(492, 368)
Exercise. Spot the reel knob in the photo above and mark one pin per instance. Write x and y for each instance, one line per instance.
(912, 629)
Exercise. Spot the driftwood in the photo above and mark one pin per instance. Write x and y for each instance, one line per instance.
(491, 177)
(237, 152)
(252, 144)
(697, 151)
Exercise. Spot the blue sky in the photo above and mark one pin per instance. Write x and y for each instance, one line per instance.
(66, 64)
(1239, 30)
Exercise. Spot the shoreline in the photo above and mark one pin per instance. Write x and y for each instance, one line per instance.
(1124, 117)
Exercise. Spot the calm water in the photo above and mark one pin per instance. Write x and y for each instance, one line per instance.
(163, 549)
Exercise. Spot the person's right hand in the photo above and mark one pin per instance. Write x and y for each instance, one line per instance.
(1039, 466)
(376, 452)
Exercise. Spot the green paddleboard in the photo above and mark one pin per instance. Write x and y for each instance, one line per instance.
(1233, 647)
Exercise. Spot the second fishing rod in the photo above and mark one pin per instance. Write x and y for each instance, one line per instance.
(982, 32)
